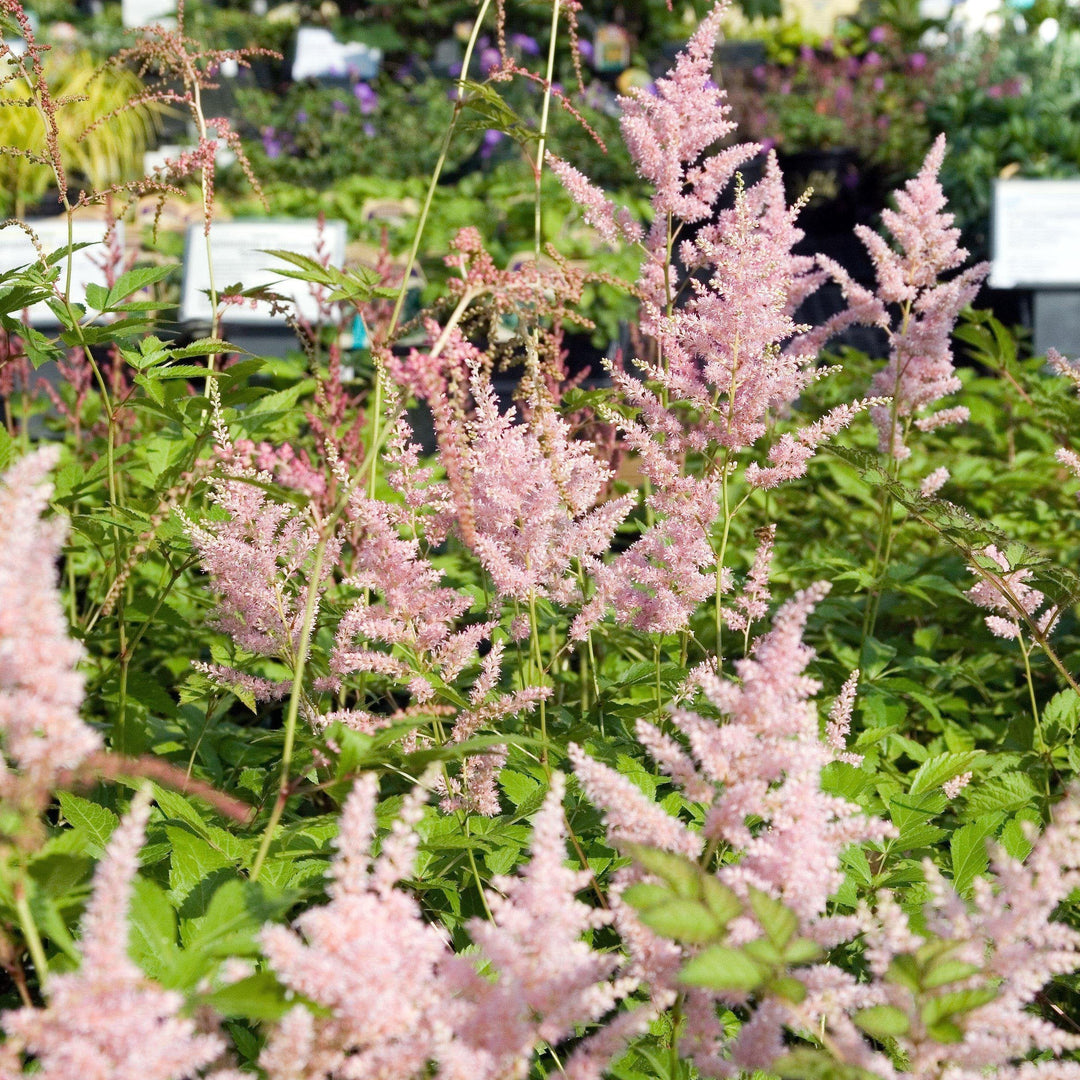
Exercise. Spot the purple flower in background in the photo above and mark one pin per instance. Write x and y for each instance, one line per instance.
(369, 130)
(806, 53)
(492, 138)
(878, 35)
(301, 116)
(339, 106)
(527, 45)
(760, 71)
(785, 87)
(489, 60)
(271, 143)
(917, 61)
(871, 59)
(586, 49)
(995, 91)
(367, 98)
(879, 84)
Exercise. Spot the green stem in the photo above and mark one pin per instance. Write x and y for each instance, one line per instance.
(421, 224)
(659, 693)
(545, 110)
(294, 707)
(538, 676)
(30, 930)
(1026, 654)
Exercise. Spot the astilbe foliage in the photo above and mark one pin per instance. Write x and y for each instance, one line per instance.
(107, 1020)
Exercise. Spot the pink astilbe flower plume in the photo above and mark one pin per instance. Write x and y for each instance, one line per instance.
(258, 558)
(909, 280)
(1008, 935)
(548, 979)
(758, 774)
(1005, 592)
(41, 689)
(368, 958)
(108, 1021)
(399, 1003)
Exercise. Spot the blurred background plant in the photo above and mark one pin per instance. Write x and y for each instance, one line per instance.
(97, 156)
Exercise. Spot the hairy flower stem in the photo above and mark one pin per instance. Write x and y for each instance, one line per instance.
(29, 928)
(425, 210)
(883, 545)
(294, 703)
(537, 657)
(545, 111)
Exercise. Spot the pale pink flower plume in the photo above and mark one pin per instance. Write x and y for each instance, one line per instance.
(762, 763)
(258, 557)
(41, 689)
(367, 957)
(839, 726)
(953, 787)
(399, 1000)
(753, 602)
(611, 222)
(920, 369)
(1005, 591)
(108, 1021)
(1067, 369)
(1008, 932)
(534, 496)
(1070, 459)
(548, 980)
(933, 482)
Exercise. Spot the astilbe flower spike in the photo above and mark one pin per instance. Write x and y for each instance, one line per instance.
(258, 560)
(1008, 935)
(762, 763)
(399, 1001)
(1005, 592)
(41, 689)
(547, 979)
(920, 368)
(107, 1020)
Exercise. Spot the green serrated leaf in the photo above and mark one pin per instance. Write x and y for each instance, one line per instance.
(682, 874)
(941, 768)
(778, 922)
(258, 997)
(722, 968)
(94, 821)
(882, 1021)
(682, 920)
(644, 895)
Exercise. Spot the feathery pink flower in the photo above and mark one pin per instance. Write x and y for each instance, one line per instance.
(108, 1021)
(920, 368)
(933, 482)
(41, 688)
(839, 726)
(548, 980)
(1005, 591)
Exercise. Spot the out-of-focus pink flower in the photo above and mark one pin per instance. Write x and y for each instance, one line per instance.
(108, 1021)
(41, 689)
